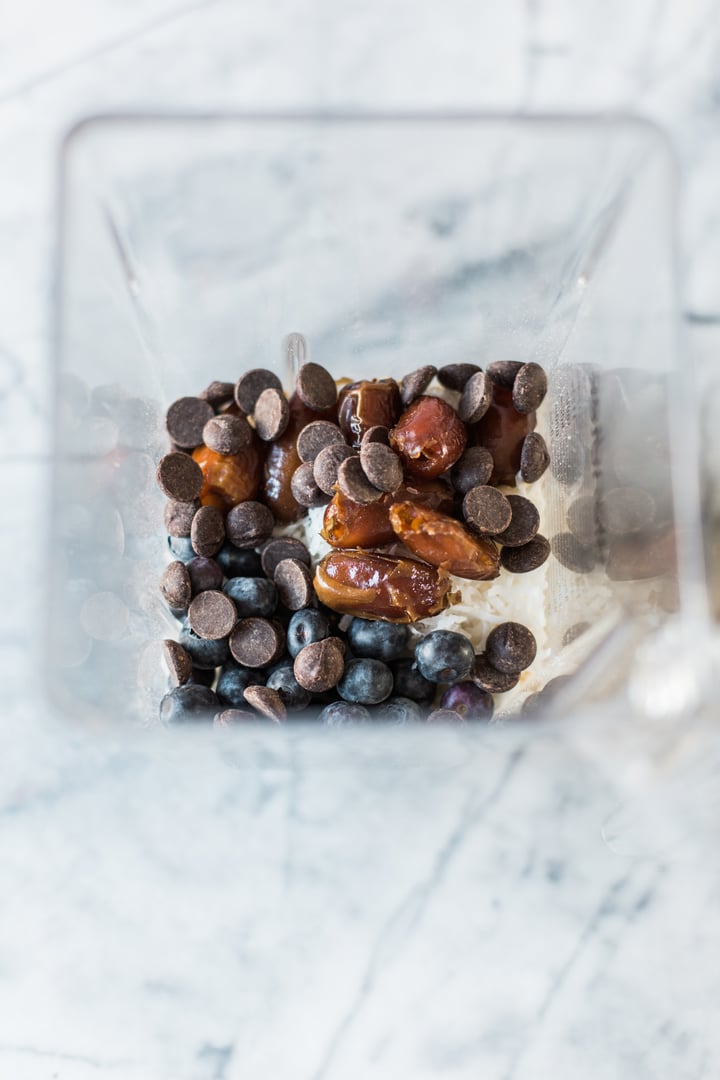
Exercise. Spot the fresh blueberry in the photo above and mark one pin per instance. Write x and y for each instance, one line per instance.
(252, 595)
(188, 704)
(366, 681)
(233, 681)
(444, 656)
(181, 548)
(291, 693)
(205, 654)
(410, 683)
(469, 700)
(204, 574)
(398, 711)
(380, 640)
(235, 562)
(305, 627)
(343, 713)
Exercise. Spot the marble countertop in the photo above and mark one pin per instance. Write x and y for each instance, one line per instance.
(537, 903)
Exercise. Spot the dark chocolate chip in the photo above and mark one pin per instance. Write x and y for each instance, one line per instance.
(272, 414)
(381, 465)
(534, 457)
(626, 510)
(510, 648)
(524, 523)
(282, 547)
(293, 581)
(378, 434)
(353, 482)
(487, 510)
(327, 463)
(208, 531)
(179, 477)
(574, 632)
(476, 398)
(416, 383)
(185, 420)
(474, 469)
(256, 642)
(315, 437)
(212, 615)
(218, 393)
(489, 678)
(643, 555)
(521, 560)
(454, 376)
(250, 386)
(249, 524)
(266, 701)
(204, 574)
(503, 372)
(230, 717)
(227, 434)
(567, 549)
(178, 662)
(178, 516)
(304, 489)
(445, 716)
(320, 665)
(582, 519)
(316, 387)
(175, 585)
(529, 388)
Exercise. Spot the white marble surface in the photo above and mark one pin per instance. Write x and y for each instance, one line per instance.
(167, 913)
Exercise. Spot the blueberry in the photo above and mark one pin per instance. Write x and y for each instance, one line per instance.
(181, 548)
(469, 700)
(292, 694)
(444, 656)
(305, 627)
(205, 654)
(410, 683)
(204, 574)
(188, 704)
(380, 640)
(399, 710)
(235, 562)
(234, 679)
(252, 595)
(366, 681)
(342, 713)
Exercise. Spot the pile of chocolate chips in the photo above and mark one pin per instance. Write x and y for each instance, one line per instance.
(263, 634)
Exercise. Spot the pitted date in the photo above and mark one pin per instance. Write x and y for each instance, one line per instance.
(229, 479)
(347, 524)
(386, 587)
(366, 404)
(502, 431)
(429, 436)
(283, 459)
(444, 542)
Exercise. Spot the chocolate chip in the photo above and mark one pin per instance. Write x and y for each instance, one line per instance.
(212, 615)
(250, 386)
(249, 524)
(272, 414)
(256, 642)
(642, 556)
(179, 477)
(320, 665)
(207, 532)
(316, 387)
(381, 465)
(178, 516)
(529, 388)
(185, 420)
(581, 519)
(204, 574)
(510, 648)
(353, 482)
(293, 581)
(625, 510)
(315, 437)
(266, 701)
(503, 372)
(534, 457)
(378, 434)
(474, 469)
(304, 489)
(487, 510)
(218, 393)
(416, 383)
(476, 398)
(231, 717)
(327, 463)
(227, 434)
(524, 523)
(521, 560)
(282, 547)
(175, 585)
(489, 678)
(567, 549)
(454, 376)
(574, 632)
(178, 661)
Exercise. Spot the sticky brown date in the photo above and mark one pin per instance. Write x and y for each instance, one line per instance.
(229, 479)
(283, 459)
(429, 436)
(365, 404)
(444, 542)
(347, 524)
(385, 587)
(502, 431)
